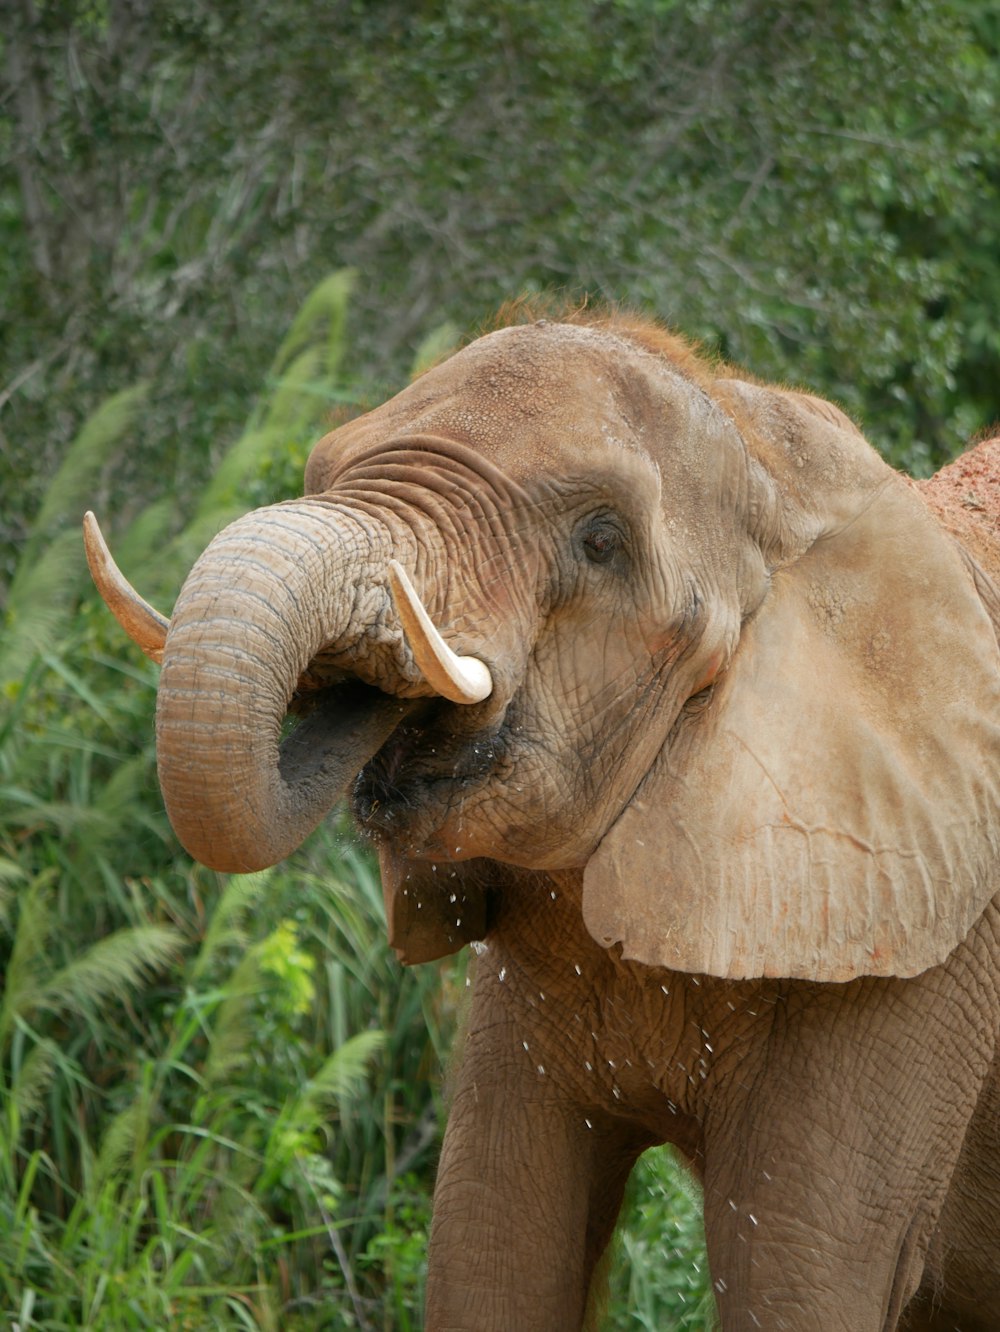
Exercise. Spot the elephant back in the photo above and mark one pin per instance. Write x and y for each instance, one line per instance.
(965, 496)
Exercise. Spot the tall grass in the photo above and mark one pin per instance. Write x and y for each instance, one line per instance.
(230, 1169)
(219, 1102)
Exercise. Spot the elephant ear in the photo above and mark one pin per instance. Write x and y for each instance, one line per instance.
(832, 809)
(433, 910)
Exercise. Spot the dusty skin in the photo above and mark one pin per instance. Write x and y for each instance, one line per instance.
(724, 828)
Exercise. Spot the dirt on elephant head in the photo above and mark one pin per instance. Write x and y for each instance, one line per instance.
(965, 495)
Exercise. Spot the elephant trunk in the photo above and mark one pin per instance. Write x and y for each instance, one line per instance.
(288, 593)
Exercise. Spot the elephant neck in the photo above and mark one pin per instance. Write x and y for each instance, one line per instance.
(645, 1043)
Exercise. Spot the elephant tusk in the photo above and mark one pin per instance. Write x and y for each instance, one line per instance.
(146, 627)
(459, 679)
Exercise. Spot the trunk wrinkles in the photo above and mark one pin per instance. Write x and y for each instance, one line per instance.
(289, 609)
(273, 592)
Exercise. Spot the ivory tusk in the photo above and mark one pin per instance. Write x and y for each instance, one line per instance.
(459, 679)
(146, 627)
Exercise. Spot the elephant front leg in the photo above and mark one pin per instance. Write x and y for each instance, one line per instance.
(827, 1164)
(798, 1259)
(528, 1189)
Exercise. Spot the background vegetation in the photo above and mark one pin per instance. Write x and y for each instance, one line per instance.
(220, 1099)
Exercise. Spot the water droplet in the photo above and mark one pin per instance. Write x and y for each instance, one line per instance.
(541, 1070)
(453, 898)
(753, 1219)
(588, 1123)
(588, 1066)
(525, 1044)
(664, 989)
(576, 968)
(502, 974)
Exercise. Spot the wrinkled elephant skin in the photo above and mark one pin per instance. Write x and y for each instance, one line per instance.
(720, 807)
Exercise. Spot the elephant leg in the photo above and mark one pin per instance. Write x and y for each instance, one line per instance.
(528, 1191)
(961, 1287)
(825, 1176)
(797, 1244)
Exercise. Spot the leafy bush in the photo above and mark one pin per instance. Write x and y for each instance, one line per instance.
(209, 1085)
(660, 1275)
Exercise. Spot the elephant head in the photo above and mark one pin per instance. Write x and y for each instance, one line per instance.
(703, 647)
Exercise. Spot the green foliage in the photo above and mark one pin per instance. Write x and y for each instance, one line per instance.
(208, 1086)
(660, 1277)
(809, 188)
(208, 1170)
(51, 570)
(281, 957)
(188, 1118)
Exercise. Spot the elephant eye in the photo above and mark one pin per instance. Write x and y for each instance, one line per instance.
(600, 540)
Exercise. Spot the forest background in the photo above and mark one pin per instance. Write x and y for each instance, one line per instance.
(221, 224)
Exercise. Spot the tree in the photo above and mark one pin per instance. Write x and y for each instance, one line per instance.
(808, 188)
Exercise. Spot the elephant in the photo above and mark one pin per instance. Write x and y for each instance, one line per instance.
(659, 686)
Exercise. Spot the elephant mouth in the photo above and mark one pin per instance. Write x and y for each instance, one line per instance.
(337, 729)
(421, 775)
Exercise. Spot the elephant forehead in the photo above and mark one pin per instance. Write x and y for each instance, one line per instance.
(538, 397)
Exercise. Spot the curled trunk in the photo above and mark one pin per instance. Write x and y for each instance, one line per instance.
(283, 596)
